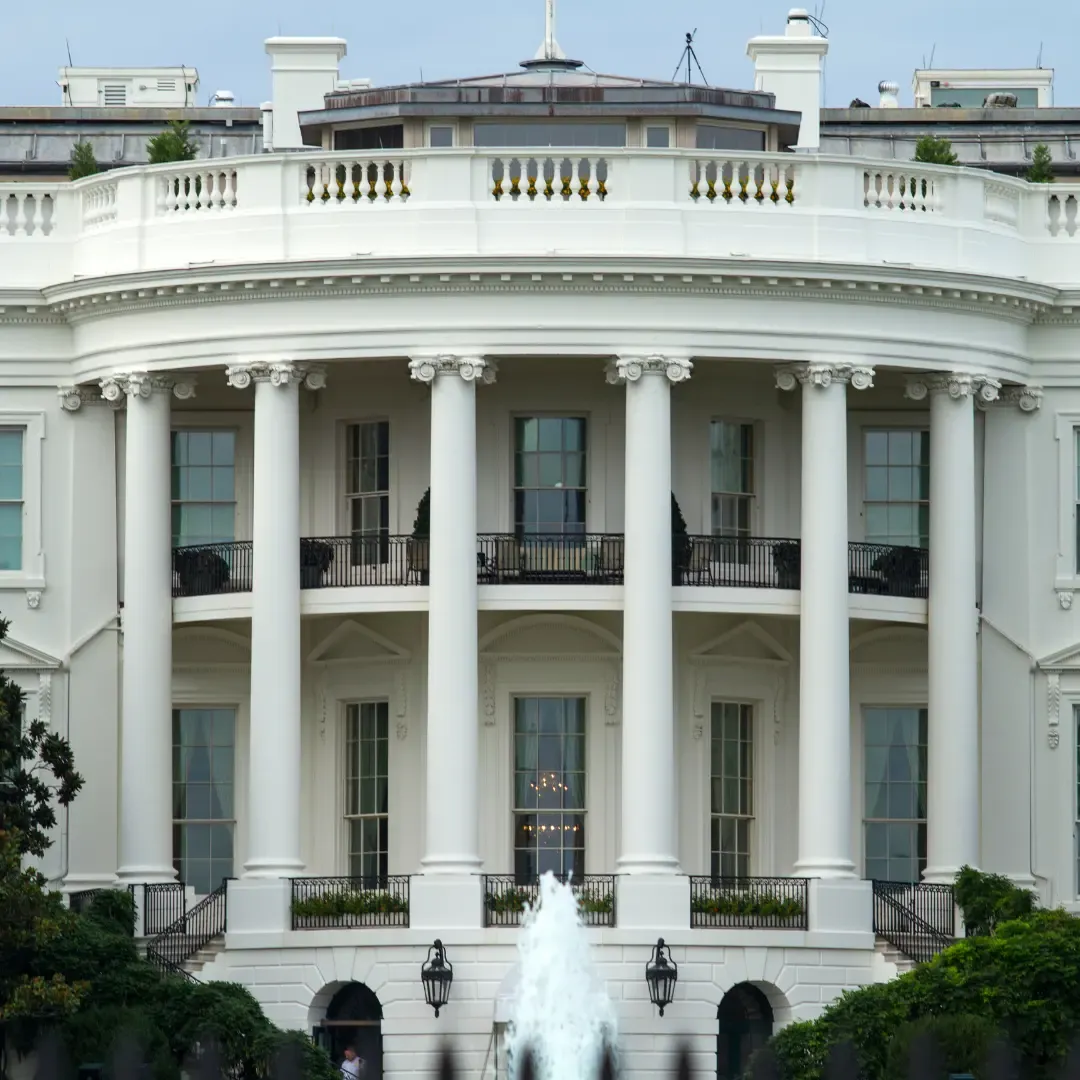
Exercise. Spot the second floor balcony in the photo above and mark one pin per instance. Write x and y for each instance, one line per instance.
(577, 559)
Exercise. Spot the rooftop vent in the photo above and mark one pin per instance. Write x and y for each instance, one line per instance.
(1000, 100)
(889, 91)
(223, 99)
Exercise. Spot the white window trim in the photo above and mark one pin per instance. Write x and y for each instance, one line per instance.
(452, 124)
(32, 573)
(342, 788)
(241, 425)
(648, 123)
(756, 709)
(1067, 575)
(757, 498)
(341, 476)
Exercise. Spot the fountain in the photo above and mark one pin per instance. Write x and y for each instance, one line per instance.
(561, 1013)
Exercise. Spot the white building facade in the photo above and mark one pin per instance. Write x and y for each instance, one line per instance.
(338, 534)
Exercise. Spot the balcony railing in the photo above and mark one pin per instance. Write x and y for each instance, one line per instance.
(163, 904)
(918, 919)
(550, 559)
(347, 903)
(749, 902)
(506, 899)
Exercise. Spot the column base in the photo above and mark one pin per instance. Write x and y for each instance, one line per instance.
(841, 907)
(260, 906)
(942, 875)
(145, 875)
(263, 869)
(652, 902)
(828, 869)
(649, 865)
(82, 882)
(439, 902)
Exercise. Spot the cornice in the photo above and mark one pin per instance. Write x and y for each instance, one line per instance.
(1012, 300)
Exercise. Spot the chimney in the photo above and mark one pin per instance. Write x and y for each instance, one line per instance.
(302, 71)
(789, 67)
(888, 92)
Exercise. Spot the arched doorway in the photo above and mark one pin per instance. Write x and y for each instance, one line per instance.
(744, 1024)
(354, 1018)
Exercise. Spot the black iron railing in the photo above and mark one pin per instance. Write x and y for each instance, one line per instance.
(889, 571)
(209, 569)
(80, 901)
(917, 919)
(737, 561)
(195, 929)
(163, 904)
(506, 899)
(550, 559)
(336, 562)
(349, 903)
(750, 902)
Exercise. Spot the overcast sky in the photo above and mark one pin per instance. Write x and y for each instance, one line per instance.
(394, 42)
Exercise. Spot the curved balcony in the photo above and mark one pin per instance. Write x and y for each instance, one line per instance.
(424, 204)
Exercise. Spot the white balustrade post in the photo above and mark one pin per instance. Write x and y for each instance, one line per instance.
(648, 737)
(825, 796)
(274, 741)
(452, 838)
(952, 811)
(146, 853)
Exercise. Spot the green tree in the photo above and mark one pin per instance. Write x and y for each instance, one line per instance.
(932, 150)
(173, 144)
(1042, 165)
(83, 162)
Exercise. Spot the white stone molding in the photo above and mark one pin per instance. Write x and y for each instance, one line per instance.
(957, 385)
(629, 369)
(859, 376)
(401, 692)
(73, 397)
(141, 384)
(1053, 708)
(1065, 599)
(45, 697)
(402, 731)
(276, 373)
(611, 696)
(424, 369)
(33, 599)
(487, 691)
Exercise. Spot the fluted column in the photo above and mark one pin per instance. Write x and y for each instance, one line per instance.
(952, 811)
(274, 734)
(146, 853)
(825, 833)
(452, 842)
(648, 747)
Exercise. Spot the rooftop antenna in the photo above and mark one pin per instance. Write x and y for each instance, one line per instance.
(689, 58)
(67, 46)
(1038, 62)
(550, 55)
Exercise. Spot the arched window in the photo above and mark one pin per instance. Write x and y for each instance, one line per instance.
(354, 1019)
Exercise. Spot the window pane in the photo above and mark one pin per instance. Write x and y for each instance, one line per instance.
(731, 787)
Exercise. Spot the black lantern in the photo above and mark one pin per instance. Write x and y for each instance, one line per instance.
(437, 975)
(661, 973)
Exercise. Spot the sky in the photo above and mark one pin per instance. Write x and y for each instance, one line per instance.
(398, 41)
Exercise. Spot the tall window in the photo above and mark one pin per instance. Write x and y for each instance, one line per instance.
(1076, 436)
(897, 484)
(895, 793)
(732, 784)
(550, 486)
(549, 787)
(367, 489)
(11, 499)
(366, 788)
(732, 454)
(204, 742)
(203, 487)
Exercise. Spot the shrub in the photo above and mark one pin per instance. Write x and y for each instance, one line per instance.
(172, 144)
(422, 525)
(354, 902)
(114, 908)
(1042, 165)
(744, 904)
(932, 150)
(990, 899)
(83, 162)
(959, 1044)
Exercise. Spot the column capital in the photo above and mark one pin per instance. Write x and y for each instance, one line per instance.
(276, 373)
(73, 397)
(957, 384)
(425, 369)
(1028, 399)
(134, 384)
(629, 369)
(822, 375)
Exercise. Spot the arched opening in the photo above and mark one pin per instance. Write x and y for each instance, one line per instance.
(353, 1018)
(744, 1024)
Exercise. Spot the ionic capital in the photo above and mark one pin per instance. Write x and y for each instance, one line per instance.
(958, 385)
(425, 369)
(1028, 399)
(276, 373)
(137, 384)
(629, 369)
(73, 397)
(822, 375)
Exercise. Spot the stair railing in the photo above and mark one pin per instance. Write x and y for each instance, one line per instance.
(897, 920)
(181, 940)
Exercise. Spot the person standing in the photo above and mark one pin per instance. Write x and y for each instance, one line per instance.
(352, 1068)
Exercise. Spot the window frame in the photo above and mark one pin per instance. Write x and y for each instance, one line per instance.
(455, 135)
(887, 427)
(752, 857)
(550, 414)
(755, 463)
(211, 429)
(31, 574)
(344, 817)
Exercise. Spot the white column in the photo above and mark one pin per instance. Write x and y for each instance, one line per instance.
(648, 737)
(452, 841)
(274, 731)
(952, 811)
(825, 796)
(146, 726)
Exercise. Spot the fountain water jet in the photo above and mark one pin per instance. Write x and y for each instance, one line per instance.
(561, 1013)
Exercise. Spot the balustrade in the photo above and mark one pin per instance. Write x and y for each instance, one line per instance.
(905, 188)
(195, 189)
(27, 210)
(742, 181)
(354, 181)
(549, 178)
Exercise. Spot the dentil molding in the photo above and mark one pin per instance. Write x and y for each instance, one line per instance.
(425, 369)
(958, 385)
(823, 375)
(276, 373)
(629, 369)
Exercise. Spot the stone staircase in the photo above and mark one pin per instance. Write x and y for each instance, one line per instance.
(890, 954)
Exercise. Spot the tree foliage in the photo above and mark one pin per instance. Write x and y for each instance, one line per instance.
(934, 150)
(83, 162)
(990, 899)
(1042, 165)
(173, 144)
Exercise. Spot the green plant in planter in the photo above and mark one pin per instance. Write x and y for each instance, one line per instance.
(901, 567)
(680, 543)
(355, 902)
(508, 901)
(421, 529)
(596, 905)
(761, 905)
(788, 562)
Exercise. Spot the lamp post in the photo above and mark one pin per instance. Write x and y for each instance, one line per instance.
(437, 974)
(661, 973)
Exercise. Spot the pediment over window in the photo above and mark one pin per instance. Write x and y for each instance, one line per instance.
(904, 646)
(208, 646)
(747, 641)
(16, 656)
(353, 641)
(534, 636)
(1067, 659)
